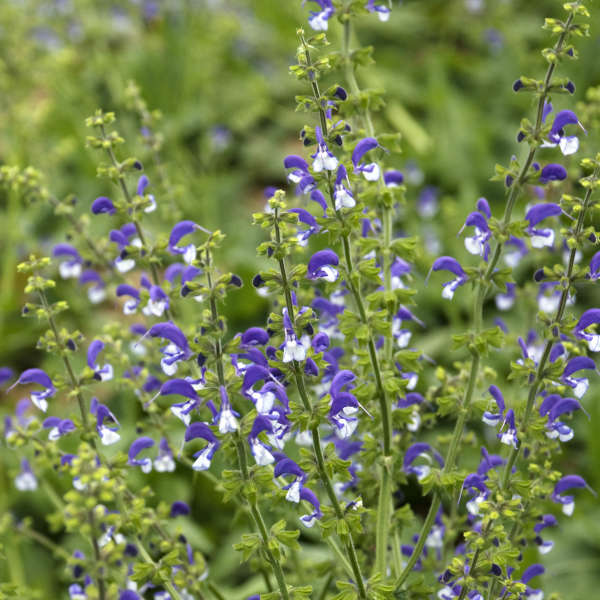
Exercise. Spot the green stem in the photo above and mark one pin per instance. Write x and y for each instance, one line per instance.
(97, 557)
(241, 449)
(129, 200)
(540, 371)
(67, 363)
(326, 585)
(164, 581)
(40, 538)
(215, 591)
(316, 436)
(384, 502)
(480, 294)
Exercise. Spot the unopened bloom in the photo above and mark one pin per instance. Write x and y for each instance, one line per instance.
(553, 172)
(142, 184)
(393, 178)
(103, 205)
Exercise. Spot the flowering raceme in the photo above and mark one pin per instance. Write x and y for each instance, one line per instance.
(324, 426)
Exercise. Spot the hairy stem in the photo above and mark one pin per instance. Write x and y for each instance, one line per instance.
(315, 434)
(481, 291)
(539, 375)
(241, 449)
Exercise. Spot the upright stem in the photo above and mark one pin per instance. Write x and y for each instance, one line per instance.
(480, 294)
(85, 421)
(384, 504)
(384, 501)
(539, 375)
(241, 449)
(316, 436)
(128, 198)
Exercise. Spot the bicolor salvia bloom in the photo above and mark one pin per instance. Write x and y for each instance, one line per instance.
(38, 377)
(447, 263)
(332, 403)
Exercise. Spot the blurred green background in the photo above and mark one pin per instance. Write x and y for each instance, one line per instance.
(218, 72)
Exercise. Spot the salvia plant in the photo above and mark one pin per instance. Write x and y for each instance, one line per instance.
(312, 424)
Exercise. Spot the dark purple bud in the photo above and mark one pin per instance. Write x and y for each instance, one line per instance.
(539, 212)
(317, 196)
(484, 207)
(447, 263)
(393, 178)
(553, 172)
(179, 508)
(517, 85)
(293, 161)
(320, 342)
(103, 205)
(340, 92)
(235, 281)
(255, 336)
(143, 183)
(180, 387)
(310, 367)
